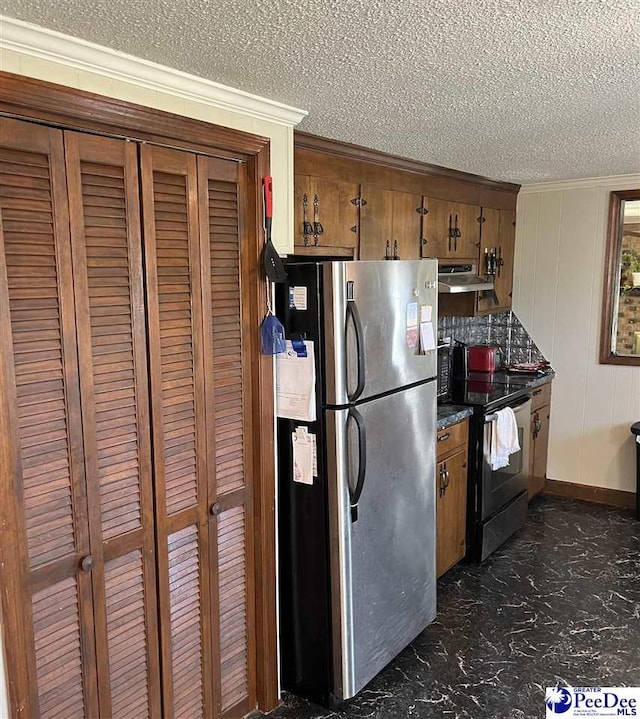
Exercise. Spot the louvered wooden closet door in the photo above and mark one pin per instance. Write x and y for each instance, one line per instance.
(173, 272)
(228, 336)
(41, 450)
(103, 184)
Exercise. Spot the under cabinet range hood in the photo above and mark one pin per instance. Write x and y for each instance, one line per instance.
(453, 279)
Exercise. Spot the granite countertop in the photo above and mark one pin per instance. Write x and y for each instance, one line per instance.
(521, 379)
(449, 414)
(541, 379)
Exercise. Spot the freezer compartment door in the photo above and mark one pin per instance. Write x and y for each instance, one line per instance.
(382, 530)
(373, 313)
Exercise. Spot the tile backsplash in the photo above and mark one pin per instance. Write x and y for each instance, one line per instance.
(503, 329)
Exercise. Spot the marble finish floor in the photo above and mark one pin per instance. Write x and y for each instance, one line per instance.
(558, 604)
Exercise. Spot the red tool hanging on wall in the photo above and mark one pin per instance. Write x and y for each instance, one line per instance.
(273, 266)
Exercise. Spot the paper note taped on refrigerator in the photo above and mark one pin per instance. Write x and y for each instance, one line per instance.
(303, 464)
(296, 384)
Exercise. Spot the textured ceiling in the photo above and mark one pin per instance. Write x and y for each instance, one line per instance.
(518, 90)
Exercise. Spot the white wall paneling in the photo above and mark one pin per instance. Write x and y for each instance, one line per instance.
(559, 273)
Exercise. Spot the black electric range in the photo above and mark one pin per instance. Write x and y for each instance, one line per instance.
(497, 498)
(490, 391)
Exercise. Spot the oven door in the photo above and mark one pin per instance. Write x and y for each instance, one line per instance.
(502, 485)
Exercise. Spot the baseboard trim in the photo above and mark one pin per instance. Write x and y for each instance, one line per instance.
(587, 493)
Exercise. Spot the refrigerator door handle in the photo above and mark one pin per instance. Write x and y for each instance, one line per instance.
(354, 495)
(353, 315)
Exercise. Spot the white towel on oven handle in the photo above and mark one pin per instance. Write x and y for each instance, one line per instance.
(504, 438)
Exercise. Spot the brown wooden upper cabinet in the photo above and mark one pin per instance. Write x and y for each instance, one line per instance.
(498, 236)
(451, 230)
(373, 206)
(390, 224)
(326, 213)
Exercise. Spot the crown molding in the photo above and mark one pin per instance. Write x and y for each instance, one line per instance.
(612, 182)
(305, 141)
(79, 54)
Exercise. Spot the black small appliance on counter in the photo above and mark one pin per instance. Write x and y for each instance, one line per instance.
(444, 370)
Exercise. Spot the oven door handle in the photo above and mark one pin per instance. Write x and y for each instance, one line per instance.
(515, 407)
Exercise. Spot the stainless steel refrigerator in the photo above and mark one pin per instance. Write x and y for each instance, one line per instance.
(357, 578)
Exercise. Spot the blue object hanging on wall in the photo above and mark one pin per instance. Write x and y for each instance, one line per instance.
(272, 335)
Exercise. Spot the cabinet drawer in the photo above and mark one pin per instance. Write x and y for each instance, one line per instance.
(451, 438)
(540, 396)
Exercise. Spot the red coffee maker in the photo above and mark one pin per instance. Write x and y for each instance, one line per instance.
(482, 358)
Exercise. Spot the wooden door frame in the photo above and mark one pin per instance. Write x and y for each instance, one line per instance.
(29, 99)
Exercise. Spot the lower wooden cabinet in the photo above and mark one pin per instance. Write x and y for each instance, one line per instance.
(451, 496)
(539, 448)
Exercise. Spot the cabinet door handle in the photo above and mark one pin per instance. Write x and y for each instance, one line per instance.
(443, 437)
(318, 229)
(307, 229)
(536, 392)
(423, 212)
(443, 487)
(537, 425)
(87, 563)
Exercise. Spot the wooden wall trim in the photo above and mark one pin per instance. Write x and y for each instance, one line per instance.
(264, 498)
(587, 493)
(610, 285)
(31, 99)
(306, 141)
(67, 107)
